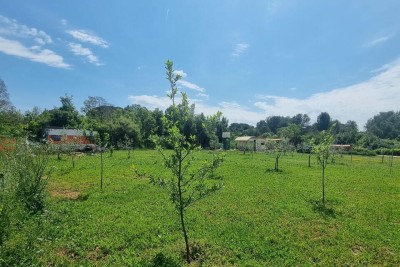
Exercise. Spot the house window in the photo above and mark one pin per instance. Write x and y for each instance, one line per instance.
(55, 137)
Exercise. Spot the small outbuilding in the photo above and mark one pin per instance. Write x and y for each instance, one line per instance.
(60, 135)
(245, 142)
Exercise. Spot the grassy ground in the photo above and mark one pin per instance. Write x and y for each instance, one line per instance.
(260, 217)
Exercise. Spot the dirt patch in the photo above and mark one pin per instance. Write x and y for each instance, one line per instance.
(65, 194)
(356, 249)
(98, 254)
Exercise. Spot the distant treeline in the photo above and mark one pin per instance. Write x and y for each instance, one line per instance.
(135, 124)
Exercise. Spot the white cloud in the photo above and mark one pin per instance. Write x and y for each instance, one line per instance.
(35, 53)
(64, 22)
(12, 28)
(357, 102)
(233, 111)
(187, 84)
(239, 49)
(79, 50)
(86, 37)
(190, 85)
(203, 95)
(180, 72)
(151, 102)
(378, 40)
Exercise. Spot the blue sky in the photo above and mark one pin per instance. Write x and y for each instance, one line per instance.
(249, 59)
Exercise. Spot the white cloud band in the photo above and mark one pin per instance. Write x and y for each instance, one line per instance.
(45, 56)
(86, 37)
(79, 50)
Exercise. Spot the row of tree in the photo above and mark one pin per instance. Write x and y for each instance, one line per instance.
(135, 124)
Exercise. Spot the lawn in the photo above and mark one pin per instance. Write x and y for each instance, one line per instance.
(259, 218)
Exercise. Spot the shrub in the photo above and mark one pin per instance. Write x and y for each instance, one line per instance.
(25, 171)
(363, 152)
(22, 196)
(387, 151)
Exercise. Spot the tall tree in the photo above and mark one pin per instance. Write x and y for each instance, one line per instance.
(5, 103)
(66, 103)
(145, 120)
(385, 125)
(301, 119)
(276, 122)
(262, 127)
(11, 120)
(323, 121)
(93, 102)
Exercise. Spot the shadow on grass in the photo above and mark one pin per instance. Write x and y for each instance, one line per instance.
(326, 210)
(160, 260)
(273, 170)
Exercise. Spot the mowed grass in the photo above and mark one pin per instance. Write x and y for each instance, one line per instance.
(259, 218)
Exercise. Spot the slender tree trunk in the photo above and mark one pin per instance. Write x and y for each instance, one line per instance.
(323, 184)
(101, 169)
(181, 213)
(391, 163)
(185, 235)
(309, 160)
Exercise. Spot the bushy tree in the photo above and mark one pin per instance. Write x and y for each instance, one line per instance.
(277, 148)
(301, 120)
(385, 125)
(93, 102)
(276, 122)
(323, 121)
(187, 182)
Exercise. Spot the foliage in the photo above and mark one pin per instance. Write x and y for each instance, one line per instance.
(363, 151)
(195, 183)
(5, 103)
(93, 102)
(385, 125)
(240, 129)
(323, 121)
(185, 185)
(386, 151)
(277, 148)
(23, 193)
(323, 152)
(172, 77)
(276, 122)
(24, 176)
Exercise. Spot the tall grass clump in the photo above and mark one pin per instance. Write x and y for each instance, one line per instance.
(23, 190)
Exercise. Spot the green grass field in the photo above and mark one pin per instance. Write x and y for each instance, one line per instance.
(259, 218)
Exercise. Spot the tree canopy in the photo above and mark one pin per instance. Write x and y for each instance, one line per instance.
(137, 123)
(385, 125)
